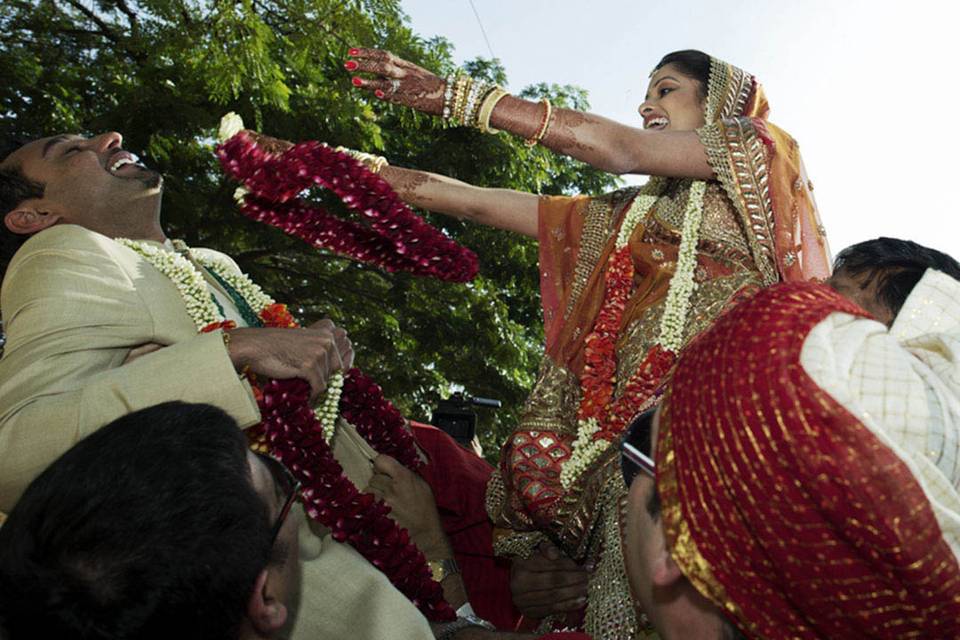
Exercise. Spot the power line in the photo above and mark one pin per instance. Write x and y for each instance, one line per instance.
(482, 30)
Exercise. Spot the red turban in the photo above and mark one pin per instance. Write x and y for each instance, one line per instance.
(779, 504)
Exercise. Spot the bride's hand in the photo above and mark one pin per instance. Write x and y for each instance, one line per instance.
(396, 80)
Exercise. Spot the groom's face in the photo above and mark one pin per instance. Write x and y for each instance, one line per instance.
(92, 182)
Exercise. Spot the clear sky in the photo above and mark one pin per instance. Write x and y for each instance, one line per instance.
(868, 88)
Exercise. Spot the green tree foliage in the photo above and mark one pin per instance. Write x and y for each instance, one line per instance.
(162, 72)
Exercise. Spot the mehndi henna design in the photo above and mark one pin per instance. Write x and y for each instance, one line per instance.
(401, 82)
(562, 136)
(407, 182)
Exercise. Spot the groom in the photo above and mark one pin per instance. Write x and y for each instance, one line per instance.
(95, 332)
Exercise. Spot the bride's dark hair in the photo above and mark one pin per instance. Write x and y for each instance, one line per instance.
(691, 63)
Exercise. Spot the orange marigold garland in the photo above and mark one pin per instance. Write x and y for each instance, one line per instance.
(601, 418)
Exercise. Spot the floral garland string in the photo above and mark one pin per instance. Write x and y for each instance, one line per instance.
(299, 436)
(600, 419)
(274, 173)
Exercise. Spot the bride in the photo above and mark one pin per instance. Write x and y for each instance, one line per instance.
(627, 278)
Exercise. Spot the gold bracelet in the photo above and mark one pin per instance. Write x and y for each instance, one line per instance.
(443, 569)
(542, 129)
(462, 93)
(448, 95)
(226, 339)
(473, 104)
(486, 109)
(371, 161)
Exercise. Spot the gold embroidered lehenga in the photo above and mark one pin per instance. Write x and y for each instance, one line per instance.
(759, 226)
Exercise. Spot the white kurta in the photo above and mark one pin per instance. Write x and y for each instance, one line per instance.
(903, 383)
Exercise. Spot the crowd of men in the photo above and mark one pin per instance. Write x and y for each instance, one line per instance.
(808, 440)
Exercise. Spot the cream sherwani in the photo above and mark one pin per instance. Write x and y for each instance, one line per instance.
(75, 304)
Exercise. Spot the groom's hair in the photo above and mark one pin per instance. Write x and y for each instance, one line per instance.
(15, 188)
(896, 265)
(148, 528)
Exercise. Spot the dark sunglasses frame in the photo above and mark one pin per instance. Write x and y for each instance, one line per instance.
(287, 484)
(633, 459)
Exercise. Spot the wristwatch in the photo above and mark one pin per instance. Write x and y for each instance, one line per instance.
(465, 618)
(442, 569)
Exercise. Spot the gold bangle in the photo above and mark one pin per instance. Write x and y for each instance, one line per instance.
(448, 95)
(463, 93)
(542, 129)
(226, 339)
(487, 107)
(371, 161)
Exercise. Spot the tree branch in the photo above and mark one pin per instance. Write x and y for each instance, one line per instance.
(131, 15)
(107, 30)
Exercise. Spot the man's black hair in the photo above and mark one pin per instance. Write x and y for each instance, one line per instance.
(896, 265)
(15, 188)
(148, 528)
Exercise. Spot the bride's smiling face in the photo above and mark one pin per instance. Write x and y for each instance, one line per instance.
(674, 101)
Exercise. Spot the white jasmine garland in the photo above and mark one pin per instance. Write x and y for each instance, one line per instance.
(638, 210)
(249, 290)
(328, 410)
(185, 277)
(230, 125)
(682, 284)
(586, 450)
(203, 310)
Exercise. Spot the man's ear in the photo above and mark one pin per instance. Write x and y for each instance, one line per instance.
(266, 614)
(665, 572)
(28, 218)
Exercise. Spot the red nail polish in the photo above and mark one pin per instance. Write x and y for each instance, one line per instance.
(354, 51)
(350, 65)
(379, 94)
(357, 82)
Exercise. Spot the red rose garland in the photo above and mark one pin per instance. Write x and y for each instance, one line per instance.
(396, 238)
(600, 345)
(363, 405)
(291, 432)
(294, 436)
(600, 355)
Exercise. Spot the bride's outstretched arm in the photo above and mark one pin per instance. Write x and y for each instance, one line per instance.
(598, 141)
(604, 143)
(501, 208)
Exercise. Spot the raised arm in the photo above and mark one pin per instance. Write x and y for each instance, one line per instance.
(604, 143)
(501, 208)
(598, 141)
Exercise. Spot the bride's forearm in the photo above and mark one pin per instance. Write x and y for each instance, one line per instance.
(501, 208)
(604, 143)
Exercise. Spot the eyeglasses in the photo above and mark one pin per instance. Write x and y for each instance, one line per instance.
(287, 485)
(635, 448)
